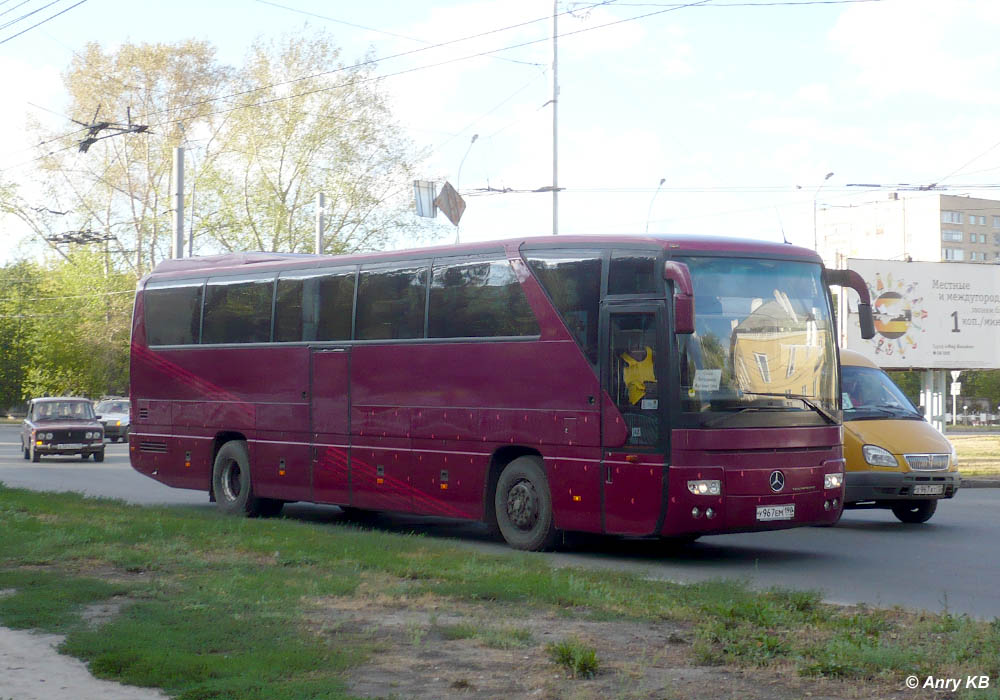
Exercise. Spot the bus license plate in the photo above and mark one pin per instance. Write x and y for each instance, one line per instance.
(785, 512)
(928, 490)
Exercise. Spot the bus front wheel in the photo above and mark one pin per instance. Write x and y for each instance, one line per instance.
(232, 485)
(524, 505)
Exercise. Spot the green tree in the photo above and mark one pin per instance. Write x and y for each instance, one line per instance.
(120, 185)
(305, 123)
(19, 288)
(80, 331)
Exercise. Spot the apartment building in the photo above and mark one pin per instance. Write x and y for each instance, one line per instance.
(920, 226)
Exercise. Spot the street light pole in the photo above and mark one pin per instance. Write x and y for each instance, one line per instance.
(650, 210)
(816, 197)
(458, 177)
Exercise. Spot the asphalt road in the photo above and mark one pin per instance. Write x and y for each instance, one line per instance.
(950, 563)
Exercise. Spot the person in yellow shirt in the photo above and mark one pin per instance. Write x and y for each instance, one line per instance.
(639, 374)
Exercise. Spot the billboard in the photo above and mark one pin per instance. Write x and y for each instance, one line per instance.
(929, 315)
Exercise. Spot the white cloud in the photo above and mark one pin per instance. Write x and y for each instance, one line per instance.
(946, 49)
(25, 83)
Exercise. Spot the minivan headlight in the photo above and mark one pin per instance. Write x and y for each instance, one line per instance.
(878, 456)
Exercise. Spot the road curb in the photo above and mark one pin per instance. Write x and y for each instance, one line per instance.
(977, 483)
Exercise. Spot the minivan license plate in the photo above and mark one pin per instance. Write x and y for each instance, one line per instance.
(785, 512)
(928, 490)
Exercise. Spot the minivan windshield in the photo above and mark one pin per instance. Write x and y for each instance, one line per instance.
(869, 393)
(763, 346)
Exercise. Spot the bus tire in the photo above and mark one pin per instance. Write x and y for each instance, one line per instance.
(524, 505)
(915, 511)
(232, 484)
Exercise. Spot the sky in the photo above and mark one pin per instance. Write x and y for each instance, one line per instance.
(739, 107)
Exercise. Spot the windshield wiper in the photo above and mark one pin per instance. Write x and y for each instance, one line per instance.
(748, 409)
(807, 400)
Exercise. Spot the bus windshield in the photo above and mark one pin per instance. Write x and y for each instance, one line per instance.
(763, 347)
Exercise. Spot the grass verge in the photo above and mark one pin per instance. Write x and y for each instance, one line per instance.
(222, 607)
(978, 455)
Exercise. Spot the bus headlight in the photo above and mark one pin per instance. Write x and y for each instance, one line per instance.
(878, 456)
(833, 481)
(705, 487)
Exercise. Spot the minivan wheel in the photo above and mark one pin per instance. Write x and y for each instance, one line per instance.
(915, 511)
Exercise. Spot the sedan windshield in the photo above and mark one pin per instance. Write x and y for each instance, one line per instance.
(112, 407)
(763, 346)
(62, 410)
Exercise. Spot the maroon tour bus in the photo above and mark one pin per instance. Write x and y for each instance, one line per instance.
(667, 386)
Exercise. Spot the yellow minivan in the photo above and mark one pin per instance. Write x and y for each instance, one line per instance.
(895, 458)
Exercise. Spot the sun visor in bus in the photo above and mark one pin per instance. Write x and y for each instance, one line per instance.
(678, 273)
(853, 280)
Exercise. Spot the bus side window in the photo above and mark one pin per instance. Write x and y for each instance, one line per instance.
(238, 311)
(317, 305)
(477, 299)
(633, 272)
(173, 314)
(572, 279)
(391, 302)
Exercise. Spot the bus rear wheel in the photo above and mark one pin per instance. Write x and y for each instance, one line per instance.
(915, 511)
(232, 485)
(524, 505)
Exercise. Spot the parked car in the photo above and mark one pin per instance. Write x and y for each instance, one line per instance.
(62, 425)
(113, 415)
(895, 458)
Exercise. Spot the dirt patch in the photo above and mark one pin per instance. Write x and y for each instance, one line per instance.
(506, 656)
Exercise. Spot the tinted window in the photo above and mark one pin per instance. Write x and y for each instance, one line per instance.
(173, 314)
(314, 306)
(238, 311)
(477, 299)
(632, 272)
(391, 302)
(573, 281)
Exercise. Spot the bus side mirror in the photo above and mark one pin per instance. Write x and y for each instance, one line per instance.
(850, 278)
(678, 273)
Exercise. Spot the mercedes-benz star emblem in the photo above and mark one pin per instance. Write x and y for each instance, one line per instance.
(777, 481)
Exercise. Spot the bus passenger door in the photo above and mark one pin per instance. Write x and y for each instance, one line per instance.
(634, 371)
(330, 412)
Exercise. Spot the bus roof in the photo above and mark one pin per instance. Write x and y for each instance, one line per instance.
(682, 243)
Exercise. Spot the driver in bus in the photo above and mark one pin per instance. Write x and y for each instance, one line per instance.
(638, 372)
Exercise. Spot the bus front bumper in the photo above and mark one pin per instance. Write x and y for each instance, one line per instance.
(688, 513)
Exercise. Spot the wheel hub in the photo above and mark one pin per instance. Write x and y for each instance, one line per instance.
(522, 505)
(231, 483)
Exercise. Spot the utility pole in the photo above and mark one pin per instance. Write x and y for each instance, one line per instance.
(555, 117)
(178, 212)
(320, 206)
